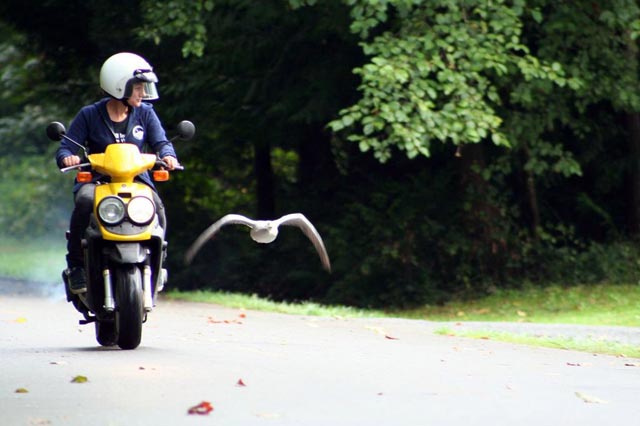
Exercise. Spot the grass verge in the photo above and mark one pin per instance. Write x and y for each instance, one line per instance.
(601, 305)
(574, 344)
(35, 260)
(253, 302)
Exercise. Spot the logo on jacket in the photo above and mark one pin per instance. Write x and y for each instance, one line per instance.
(138, 132)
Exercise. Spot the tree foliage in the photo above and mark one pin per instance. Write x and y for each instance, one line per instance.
(436, 73)
(440, 146)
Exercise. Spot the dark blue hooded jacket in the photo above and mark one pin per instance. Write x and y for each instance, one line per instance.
(93, 128)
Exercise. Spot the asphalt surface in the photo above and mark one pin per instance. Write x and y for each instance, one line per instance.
(258, 368)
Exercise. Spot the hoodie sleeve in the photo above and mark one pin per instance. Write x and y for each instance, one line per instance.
(156, 135)
(78, 131)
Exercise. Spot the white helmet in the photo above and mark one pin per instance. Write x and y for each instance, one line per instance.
(120, 71)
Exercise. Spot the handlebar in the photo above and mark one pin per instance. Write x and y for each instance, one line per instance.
(77, 166)
(81, 165)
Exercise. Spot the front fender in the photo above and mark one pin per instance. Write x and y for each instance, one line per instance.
(128, 253)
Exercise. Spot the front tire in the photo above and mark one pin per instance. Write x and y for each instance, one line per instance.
(129, 306)
(106, 333)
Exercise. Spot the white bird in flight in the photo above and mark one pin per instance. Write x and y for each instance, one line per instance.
(263, 231)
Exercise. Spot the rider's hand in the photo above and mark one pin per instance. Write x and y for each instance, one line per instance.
(172, 162)
(71, 160)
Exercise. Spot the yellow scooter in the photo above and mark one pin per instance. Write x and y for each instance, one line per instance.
(124, 245)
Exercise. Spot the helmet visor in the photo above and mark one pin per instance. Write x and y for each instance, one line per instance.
(149, 78)
(150, 92)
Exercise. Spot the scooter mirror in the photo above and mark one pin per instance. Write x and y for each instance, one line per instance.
(186, 130)
(55, 130)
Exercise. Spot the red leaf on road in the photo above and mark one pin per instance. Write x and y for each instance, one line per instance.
(240, 383)
(212, 320)
(202, 409)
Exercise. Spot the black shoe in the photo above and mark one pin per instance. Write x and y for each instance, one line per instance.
(77, 280)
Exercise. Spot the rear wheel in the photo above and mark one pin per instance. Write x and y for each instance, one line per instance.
(129, 306)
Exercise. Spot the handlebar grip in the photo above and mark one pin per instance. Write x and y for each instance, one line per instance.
(160, 163)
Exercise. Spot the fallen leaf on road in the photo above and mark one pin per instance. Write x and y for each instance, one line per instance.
(382, 332)
(58, 363)
(20, 320)
(579, 364)
(22, 390)
(240, 383)
(590, 399)
(202, 409)
(632, 364)
(212, 320)
(79, 379)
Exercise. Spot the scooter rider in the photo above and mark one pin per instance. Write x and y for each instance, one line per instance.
(129, 80)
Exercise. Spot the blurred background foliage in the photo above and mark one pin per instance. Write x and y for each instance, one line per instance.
(440, 147)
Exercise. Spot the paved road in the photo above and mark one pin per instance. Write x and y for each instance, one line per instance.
(296, 371)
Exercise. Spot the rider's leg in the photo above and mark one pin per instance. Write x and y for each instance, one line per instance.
(162, 218)
(79, 221)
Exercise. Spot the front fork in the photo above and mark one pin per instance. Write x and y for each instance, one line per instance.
(109, 300)
(146, 288)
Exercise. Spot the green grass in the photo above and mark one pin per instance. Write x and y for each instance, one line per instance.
(253, 302)
(603, 304)
(39, 260)
(600, 305)
(575, 344)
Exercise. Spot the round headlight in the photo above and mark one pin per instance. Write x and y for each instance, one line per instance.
(111, 210)
(141, 210)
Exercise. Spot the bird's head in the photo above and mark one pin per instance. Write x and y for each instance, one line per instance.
(265, 232)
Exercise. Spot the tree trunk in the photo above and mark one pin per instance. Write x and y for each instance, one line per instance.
(532, 196)
(475, 188)
(264, 180)
(483, 220)
(633, 128)
(315, 157)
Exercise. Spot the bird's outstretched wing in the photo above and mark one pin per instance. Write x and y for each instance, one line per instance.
(299, 220)
(208, 233)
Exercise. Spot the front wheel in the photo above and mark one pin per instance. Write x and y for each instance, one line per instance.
(129, 306)
(106, 333)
